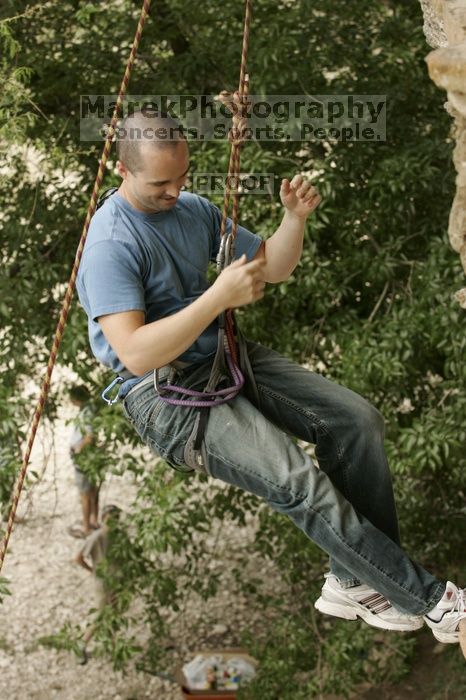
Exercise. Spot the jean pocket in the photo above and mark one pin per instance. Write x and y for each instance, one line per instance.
(178, 463)
(127, 414)
(142, 407)
(174, 456)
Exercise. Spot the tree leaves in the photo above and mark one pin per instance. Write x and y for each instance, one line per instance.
(370, 304)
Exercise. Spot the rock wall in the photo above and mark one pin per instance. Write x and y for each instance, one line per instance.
(445, 30)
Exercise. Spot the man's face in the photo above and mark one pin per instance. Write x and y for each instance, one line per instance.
(156, 185)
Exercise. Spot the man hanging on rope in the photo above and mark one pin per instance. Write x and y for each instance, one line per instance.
(142, 282)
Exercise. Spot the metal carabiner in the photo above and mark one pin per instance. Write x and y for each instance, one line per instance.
(226, 251)
(158, 389)
(116, 381)
(221, 254)
(229, 250)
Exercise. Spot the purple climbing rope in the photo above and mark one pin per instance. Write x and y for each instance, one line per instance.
(207, 398)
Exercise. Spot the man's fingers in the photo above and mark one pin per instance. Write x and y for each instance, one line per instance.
(285, 187)
(302, 187)
(240, 261)
(252, 266)
(305, 189)
(311, 195)
(314, 202)
(257, 262)
(296, 182)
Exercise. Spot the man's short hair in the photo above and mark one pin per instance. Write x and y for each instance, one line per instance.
(141, 128)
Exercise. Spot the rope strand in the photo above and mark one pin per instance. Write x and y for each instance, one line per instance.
(72, 283)
(236, 138)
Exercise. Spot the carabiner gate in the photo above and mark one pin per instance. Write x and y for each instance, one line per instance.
(111, 401)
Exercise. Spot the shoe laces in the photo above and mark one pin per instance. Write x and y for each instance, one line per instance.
(459, 604)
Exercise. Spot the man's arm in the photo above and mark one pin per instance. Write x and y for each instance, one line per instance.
(141, 347)
(282, 251)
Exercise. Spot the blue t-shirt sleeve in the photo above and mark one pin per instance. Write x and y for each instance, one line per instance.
(246, 241)
(110, 279)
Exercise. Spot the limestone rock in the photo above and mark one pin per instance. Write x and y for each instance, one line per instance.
(445, 28)
(460, 297)
(457, 223)
(447, 67)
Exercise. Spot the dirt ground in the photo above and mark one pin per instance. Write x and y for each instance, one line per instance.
(49, 590)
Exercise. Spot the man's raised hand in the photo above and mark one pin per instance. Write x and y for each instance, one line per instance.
(299, 196)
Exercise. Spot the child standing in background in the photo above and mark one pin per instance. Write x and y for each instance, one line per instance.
(80, 440)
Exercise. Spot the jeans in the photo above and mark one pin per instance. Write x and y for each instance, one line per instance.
(345, 504)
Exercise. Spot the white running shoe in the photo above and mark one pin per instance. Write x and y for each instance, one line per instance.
(364, 602)
(444, 619)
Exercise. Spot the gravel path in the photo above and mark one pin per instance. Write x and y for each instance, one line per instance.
(49, 590)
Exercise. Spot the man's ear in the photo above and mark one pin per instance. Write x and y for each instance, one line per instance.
(122, 169)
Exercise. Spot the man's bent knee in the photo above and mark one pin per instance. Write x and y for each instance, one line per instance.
(369, 420)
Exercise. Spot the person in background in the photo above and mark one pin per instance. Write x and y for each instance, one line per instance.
(93, 552)
(80, 440)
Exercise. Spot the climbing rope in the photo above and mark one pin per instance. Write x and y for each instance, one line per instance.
(227, 346)
(237, 137)
(72, 283)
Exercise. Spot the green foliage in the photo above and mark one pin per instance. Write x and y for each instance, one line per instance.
(68, 638)
(15, 114)
(8, 470)
(454, 680)
(370, 304)
(299, 662)
(4, 590)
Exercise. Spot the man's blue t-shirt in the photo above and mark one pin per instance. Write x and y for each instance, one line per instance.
(156, 263)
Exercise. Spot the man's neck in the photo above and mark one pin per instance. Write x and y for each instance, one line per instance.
(123, 192)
